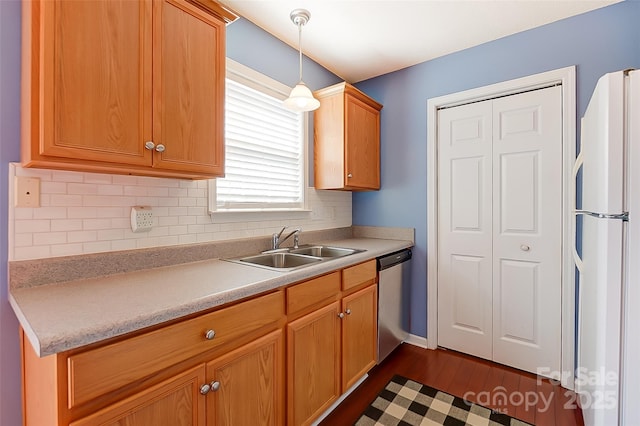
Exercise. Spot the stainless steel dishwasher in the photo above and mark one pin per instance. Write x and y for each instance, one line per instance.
(394, 274)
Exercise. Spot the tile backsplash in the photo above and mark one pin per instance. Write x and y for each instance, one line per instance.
(82, 213)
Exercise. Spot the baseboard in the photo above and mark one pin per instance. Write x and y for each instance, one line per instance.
(417, 341)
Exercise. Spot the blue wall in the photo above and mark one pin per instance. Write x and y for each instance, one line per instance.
(598, 42)
(10, 401)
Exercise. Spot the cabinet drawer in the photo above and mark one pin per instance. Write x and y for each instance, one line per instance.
(355, 276)
(311, 292)
(101, 370)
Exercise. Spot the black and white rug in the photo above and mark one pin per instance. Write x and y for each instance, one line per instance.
(408, 403)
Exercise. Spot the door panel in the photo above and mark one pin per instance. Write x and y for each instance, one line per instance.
(464, 229)
(527, 233)
(500, 229)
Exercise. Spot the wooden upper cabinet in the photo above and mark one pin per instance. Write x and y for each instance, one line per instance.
(347, 139)
(102, 78)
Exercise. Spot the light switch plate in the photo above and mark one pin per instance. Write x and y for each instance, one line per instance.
(27, 191)
(141, 218)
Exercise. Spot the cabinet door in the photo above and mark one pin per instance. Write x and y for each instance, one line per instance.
(359, 335)
(362, 145)
(248, 385)
(95, 76)
(174, 402)
(313, 364)
(188, 88)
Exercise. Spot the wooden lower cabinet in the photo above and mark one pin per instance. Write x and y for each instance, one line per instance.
(328, 351)
(174, 402)
(359, 335)
(248, 385)
(243, 387)
(313, 364)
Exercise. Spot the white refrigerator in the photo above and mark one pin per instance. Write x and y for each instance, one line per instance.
(608, 353)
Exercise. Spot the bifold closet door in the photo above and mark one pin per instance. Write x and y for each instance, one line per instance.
(500, 229)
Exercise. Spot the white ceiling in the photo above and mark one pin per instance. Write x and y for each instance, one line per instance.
(360, 39)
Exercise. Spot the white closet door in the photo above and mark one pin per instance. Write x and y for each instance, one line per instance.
(500, 229)
(464, 229)
(527, 229)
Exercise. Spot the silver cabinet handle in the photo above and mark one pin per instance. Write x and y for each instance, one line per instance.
(160, 148)
(215, 385)
(210, 334)
(349, 175)
(341, 315)
(348, 311)
(525, 247)
(149, 145)
(204, 389)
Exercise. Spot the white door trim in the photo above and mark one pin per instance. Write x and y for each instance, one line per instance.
(567, 77)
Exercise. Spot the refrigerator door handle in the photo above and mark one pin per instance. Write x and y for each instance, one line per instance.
(576, 168)
(624, 216)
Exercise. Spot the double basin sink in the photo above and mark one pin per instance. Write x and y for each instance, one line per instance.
(287, 259)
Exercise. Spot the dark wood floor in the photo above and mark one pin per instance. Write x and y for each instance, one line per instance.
(513, 392)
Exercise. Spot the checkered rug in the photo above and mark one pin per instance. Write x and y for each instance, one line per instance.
(408, 403)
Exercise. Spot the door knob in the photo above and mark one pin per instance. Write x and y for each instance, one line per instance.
(149, 145)
(525, 247)
(160, 148)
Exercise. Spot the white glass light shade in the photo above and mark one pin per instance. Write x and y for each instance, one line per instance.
(301, 99)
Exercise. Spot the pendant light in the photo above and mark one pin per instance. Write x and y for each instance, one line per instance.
(301, 99)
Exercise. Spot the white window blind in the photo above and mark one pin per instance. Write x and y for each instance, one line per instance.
(264, 155)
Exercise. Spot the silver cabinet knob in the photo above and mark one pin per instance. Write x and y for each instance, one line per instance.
(348, 311)
(204, 389)
(349, 175)
(341, 315)
(210, 334)
(149, 145)
(160, 148)
(525, 247)
(215, 385)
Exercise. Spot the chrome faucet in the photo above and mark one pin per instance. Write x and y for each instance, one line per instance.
(276, 241)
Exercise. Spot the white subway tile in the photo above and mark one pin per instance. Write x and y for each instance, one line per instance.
(82, 212)
(178, 230)
(45, 200)
(187, 202)
(110, 234)
(158, 191)
(65, 200)
(178, 192)
(204, 237)
(98, 178)
(123, 245)
(124, 180)
(82, 236)
(135, 191)
(113, 212)
(102, 201)
(188, 239)
(168, 221)
(187, 220)
(160, 211)
(28, 226)
(53, 187)
(95, 224)
(66, 249)
(50, 213)
(49, 238)
(66, 176)
(197, 192)
(22, 213)
(195, 229)
(197, 211)
(96, 247)
(23, 240)
(33, 252)
(178, 211)
(147, 201)
(168, 201)
(64, 225)
(121, 223)
(82, 188)
(110, 189)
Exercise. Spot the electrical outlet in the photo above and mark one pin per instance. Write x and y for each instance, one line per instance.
(27, 191)
(141, 218)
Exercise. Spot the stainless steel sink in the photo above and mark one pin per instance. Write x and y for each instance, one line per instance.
(280, 260)
(324, 251)
(288, 259)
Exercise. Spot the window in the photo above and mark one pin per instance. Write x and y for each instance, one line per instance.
(265, 147)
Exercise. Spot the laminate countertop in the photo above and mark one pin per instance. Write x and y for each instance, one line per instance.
(63, 316)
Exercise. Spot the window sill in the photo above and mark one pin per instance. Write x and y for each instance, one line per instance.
(257, 215)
